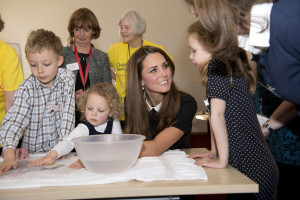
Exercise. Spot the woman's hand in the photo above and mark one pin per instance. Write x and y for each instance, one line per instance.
(164, 140)
(77, 165)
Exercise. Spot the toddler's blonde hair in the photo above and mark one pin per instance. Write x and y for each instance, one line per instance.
(109, 92)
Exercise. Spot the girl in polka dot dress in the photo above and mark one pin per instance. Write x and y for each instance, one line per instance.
(236, 134)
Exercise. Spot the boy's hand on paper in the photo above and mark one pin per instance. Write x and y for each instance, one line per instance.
(7, 164)
(9, 161)
(22, 153)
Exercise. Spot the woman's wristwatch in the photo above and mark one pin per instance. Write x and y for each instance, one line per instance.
(266, 125)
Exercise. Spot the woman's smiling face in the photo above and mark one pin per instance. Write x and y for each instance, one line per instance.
(156, 75)
(126, 31)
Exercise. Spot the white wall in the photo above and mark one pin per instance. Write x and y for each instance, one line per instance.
(167, 22)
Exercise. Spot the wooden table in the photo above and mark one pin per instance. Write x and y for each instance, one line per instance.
(220, 181)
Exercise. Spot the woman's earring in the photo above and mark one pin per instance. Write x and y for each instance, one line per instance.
(143, 88)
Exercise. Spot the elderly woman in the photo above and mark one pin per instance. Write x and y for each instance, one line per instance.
(132, 28)
(89, 64)
(154, 106)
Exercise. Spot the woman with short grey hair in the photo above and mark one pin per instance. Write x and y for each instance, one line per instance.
(132, 27)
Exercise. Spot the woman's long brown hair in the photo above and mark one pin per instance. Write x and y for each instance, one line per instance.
(137, 113)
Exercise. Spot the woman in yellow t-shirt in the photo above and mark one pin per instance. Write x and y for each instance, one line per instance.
(132, 27)
(11, 75)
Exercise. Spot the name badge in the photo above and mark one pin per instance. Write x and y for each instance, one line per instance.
(55, 107)
(73, 66)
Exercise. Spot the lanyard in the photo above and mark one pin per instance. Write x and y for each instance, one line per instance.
(128, 56)
(83, 79)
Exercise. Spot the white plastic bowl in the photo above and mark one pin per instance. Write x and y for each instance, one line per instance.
(108, 153)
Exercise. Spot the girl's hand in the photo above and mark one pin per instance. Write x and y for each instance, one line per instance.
(211, 162)
(209, 154)
(77, 165)
(208, 159)
(49, 159)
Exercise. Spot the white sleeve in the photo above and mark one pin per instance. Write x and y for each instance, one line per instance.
(116, 127)
(66, 145)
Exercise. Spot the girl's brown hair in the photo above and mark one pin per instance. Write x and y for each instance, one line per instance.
(222, 21)
(109, 92)
(137, 113)
(237, 64)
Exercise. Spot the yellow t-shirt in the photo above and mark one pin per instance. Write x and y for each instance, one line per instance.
(11, 75)
(118, 55)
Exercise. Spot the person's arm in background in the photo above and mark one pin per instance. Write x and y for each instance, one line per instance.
(8, 99)
(110, 55)
(106, 69)
(12, 77)
(285, 113)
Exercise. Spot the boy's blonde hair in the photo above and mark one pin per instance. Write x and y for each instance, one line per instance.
(109, 92)
(42, 39)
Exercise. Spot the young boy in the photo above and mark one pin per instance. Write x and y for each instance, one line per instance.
(44, 104)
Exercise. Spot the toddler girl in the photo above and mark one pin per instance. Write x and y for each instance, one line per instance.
(101, 110)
